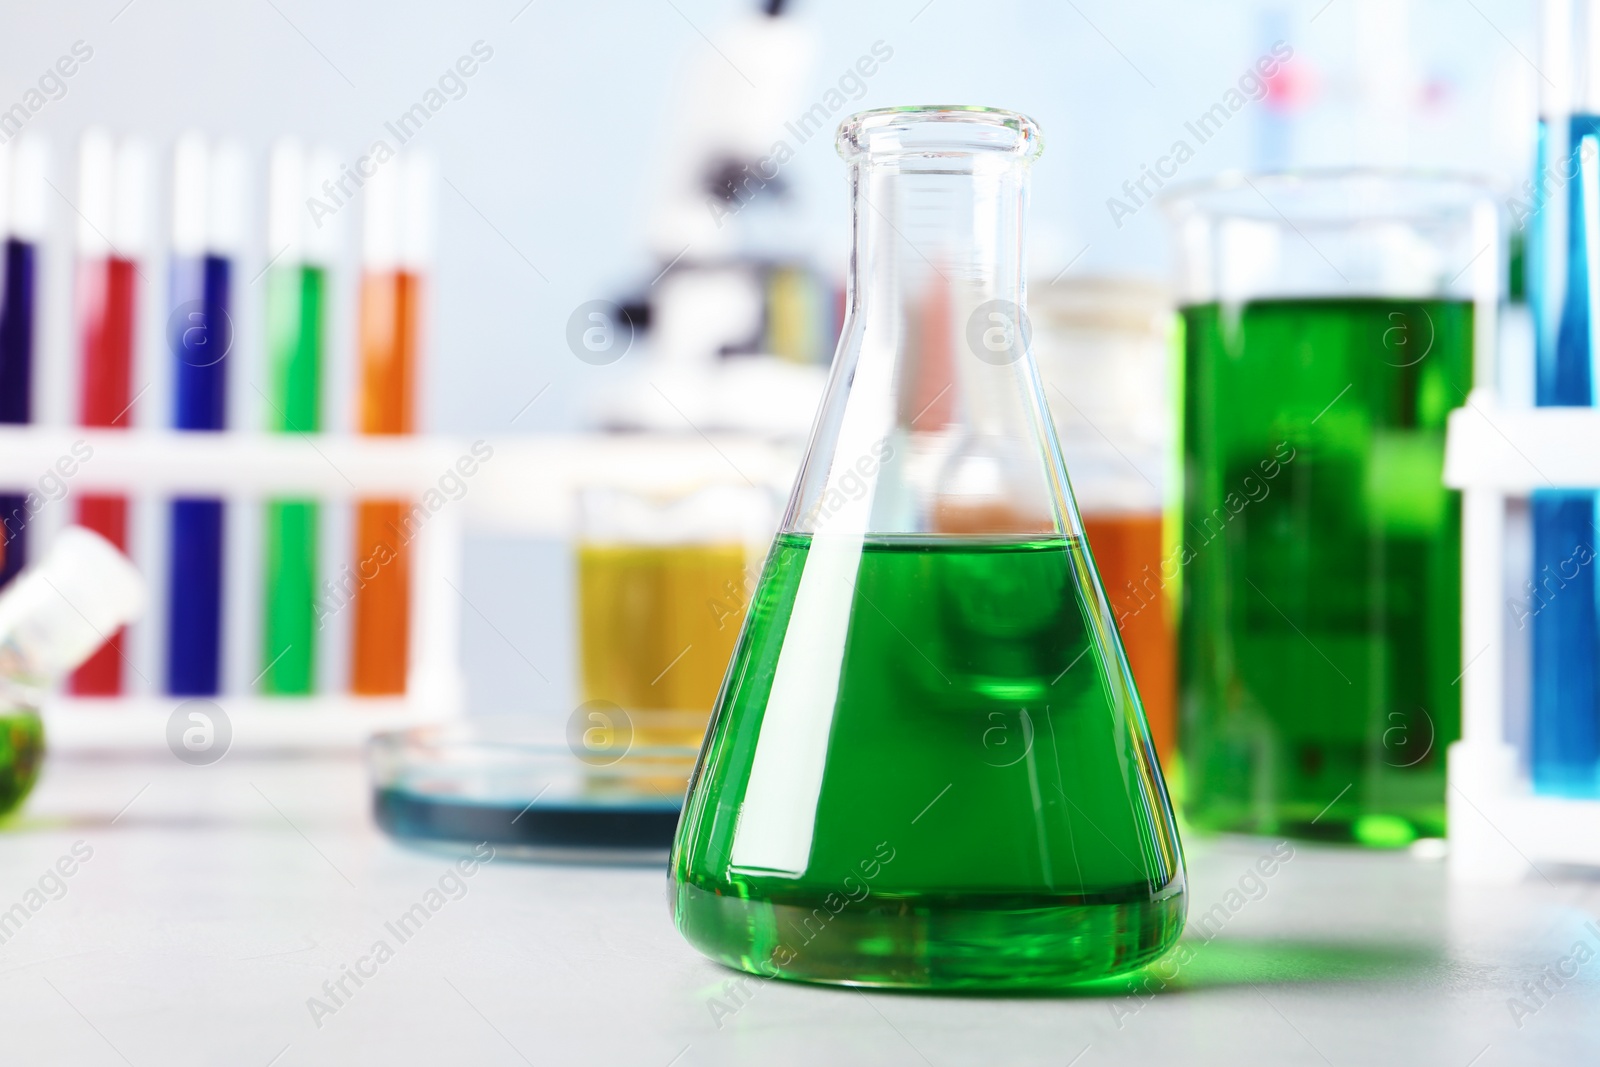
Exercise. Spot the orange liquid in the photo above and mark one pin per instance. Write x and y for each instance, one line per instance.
(389, 306)
(382, 621)
(1127, 550)
(381, 627)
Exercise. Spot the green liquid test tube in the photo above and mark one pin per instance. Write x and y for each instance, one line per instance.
(295, 302)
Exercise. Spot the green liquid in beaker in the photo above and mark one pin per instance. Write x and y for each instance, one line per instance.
(989, 812)
(1321, 620)
(21, 749)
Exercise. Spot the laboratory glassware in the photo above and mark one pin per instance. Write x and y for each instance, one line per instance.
(500, 779)
(928, 766)
(395, 247)
(53, 616)
(663, 583)
(207, 225)
(1331, 323)
(1103, 346)
(296, 313)
(112, 235)
(22, 218)
(1563, 267)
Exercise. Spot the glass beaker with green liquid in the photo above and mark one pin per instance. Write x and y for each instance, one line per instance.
(1331, 323)
(928, 766)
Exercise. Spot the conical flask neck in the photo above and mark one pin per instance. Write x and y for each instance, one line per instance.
(939, 196)
(928, 236)
(934, 422)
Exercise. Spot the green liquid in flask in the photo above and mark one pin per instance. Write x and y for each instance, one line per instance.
(989, 813)
(1321, 620)
(21, 751)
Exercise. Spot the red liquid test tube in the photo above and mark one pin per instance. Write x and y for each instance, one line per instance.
(110, 233)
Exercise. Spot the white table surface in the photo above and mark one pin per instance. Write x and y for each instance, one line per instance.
(221, 898)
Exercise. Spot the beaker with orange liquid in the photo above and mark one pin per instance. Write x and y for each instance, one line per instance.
(1103, 347)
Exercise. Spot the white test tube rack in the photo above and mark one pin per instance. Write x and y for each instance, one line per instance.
(528, 489)
(1499, 829)
(153, 464)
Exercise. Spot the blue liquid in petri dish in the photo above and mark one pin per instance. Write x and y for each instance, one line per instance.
(495, 780)
(625, 828)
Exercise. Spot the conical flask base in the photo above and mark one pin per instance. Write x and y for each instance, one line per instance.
(975, 802)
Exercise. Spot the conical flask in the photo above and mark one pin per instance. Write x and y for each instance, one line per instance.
(928, 766)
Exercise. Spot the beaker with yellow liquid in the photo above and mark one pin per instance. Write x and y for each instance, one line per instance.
(663, 584)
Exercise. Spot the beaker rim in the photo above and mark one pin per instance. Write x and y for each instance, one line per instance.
(1328, 196)
(935, 131)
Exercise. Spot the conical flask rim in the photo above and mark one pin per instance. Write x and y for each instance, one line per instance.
(938, 131)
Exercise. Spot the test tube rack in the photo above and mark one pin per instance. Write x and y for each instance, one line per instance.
(528, 489)
(1499, 829)
(235, 466)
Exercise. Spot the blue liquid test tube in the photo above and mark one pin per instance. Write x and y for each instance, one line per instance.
(21, 225)
(200, 337)
(1564, 265)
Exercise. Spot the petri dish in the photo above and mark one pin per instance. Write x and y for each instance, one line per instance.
(529, 793)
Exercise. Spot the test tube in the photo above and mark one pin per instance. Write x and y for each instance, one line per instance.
(22, 211)
(112, 233)
(395, 249)
(296, 313)
(1565, 641)
(206, 233)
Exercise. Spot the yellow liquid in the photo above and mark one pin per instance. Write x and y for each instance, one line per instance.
(657, 626)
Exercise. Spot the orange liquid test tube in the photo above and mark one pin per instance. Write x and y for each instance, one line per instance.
(382, 601)
(394, 243)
